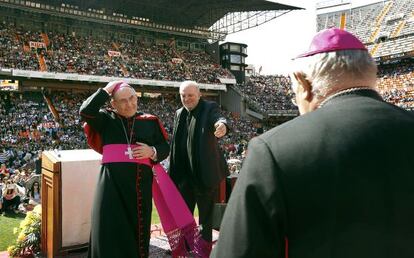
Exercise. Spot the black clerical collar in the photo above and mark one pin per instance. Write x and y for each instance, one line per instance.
(366, 91)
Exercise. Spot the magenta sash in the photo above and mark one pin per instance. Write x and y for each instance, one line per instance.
(176, 219)
(113, 153)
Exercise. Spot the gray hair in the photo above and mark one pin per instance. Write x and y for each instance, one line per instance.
(185, 84)
(331, 70)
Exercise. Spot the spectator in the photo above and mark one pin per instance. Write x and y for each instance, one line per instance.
(34, 196)
(4, 172)
(11, 197)
(1, 195)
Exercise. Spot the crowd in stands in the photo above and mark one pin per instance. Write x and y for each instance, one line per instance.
(66, 53)
(12, 52)
(28, 126)
(27, 129)
(403, 98)
(269, 92)
(396, 84)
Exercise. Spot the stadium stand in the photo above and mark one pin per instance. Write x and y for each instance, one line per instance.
(87, 55)
(269, 92)
(387, 29)
(396, 84)
(359, 20)
(390, 33)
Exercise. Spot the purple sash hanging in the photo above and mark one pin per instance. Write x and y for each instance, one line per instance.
(176, 219)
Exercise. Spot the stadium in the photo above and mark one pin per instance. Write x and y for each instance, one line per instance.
(54, 54)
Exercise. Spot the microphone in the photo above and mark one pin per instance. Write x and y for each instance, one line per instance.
(57, 152)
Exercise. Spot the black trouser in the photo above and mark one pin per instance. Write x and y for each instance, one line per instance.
(13, 202)
(205, 200)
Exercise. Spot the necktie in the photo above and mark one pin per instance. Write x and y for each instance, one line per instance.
(188, 119)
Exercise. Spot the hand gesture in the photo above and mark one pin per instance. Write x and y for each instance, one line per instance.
(142, 151)
(221, 129)
(110, 86)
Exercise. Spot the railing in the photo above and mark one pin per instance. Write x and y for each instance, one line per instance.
(101, 79)
(379, 20)
(374, 49)
(397, 30)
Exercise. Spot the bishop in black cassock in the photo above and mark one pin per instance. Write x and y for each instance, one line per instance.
(121, 215)
(335, 182)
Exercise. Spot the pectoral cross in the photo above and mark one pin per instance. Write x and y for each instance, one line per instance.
(129, 152)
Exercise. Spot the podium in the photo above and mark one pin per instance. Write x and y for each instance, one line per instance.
(69, 180)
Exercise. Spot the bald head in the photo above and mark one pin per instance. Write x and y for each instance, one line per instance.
(122, 91)
(190, 94)
(186, 84)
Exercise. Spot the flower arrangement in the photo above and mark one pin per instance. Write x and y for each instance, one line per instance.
(28, 235)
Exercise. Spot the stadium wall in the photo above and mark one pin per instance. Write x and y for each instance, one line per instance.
(232, 101)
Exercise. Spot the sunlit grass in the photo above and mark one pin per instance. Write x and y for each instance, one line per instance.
(7, 224)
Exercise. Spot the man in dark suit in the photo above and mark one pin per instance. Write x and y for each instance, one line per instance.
(197, 164)
(335, 182)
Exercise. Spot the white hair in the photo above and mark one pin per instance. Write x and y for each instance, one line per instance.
(185, 84)
(336, 70)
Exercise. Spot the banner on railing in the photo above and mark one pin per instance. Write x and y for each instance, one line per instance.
(34, 44)
(227, 80)
(176, 60)
(114, 53)
(291, 113)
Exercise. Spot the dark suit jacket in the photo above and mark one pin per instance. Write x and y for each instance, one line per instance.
(205, 155)
(337, 182)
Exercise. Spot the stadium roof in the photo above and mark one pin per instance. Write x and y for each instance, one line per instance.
(185, 13)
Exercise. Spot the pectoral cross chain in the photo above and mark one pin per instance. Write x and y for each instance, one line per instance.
(129, 150)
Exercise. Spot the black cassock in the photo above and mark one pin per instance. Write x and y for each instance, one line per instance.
(121, 214)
